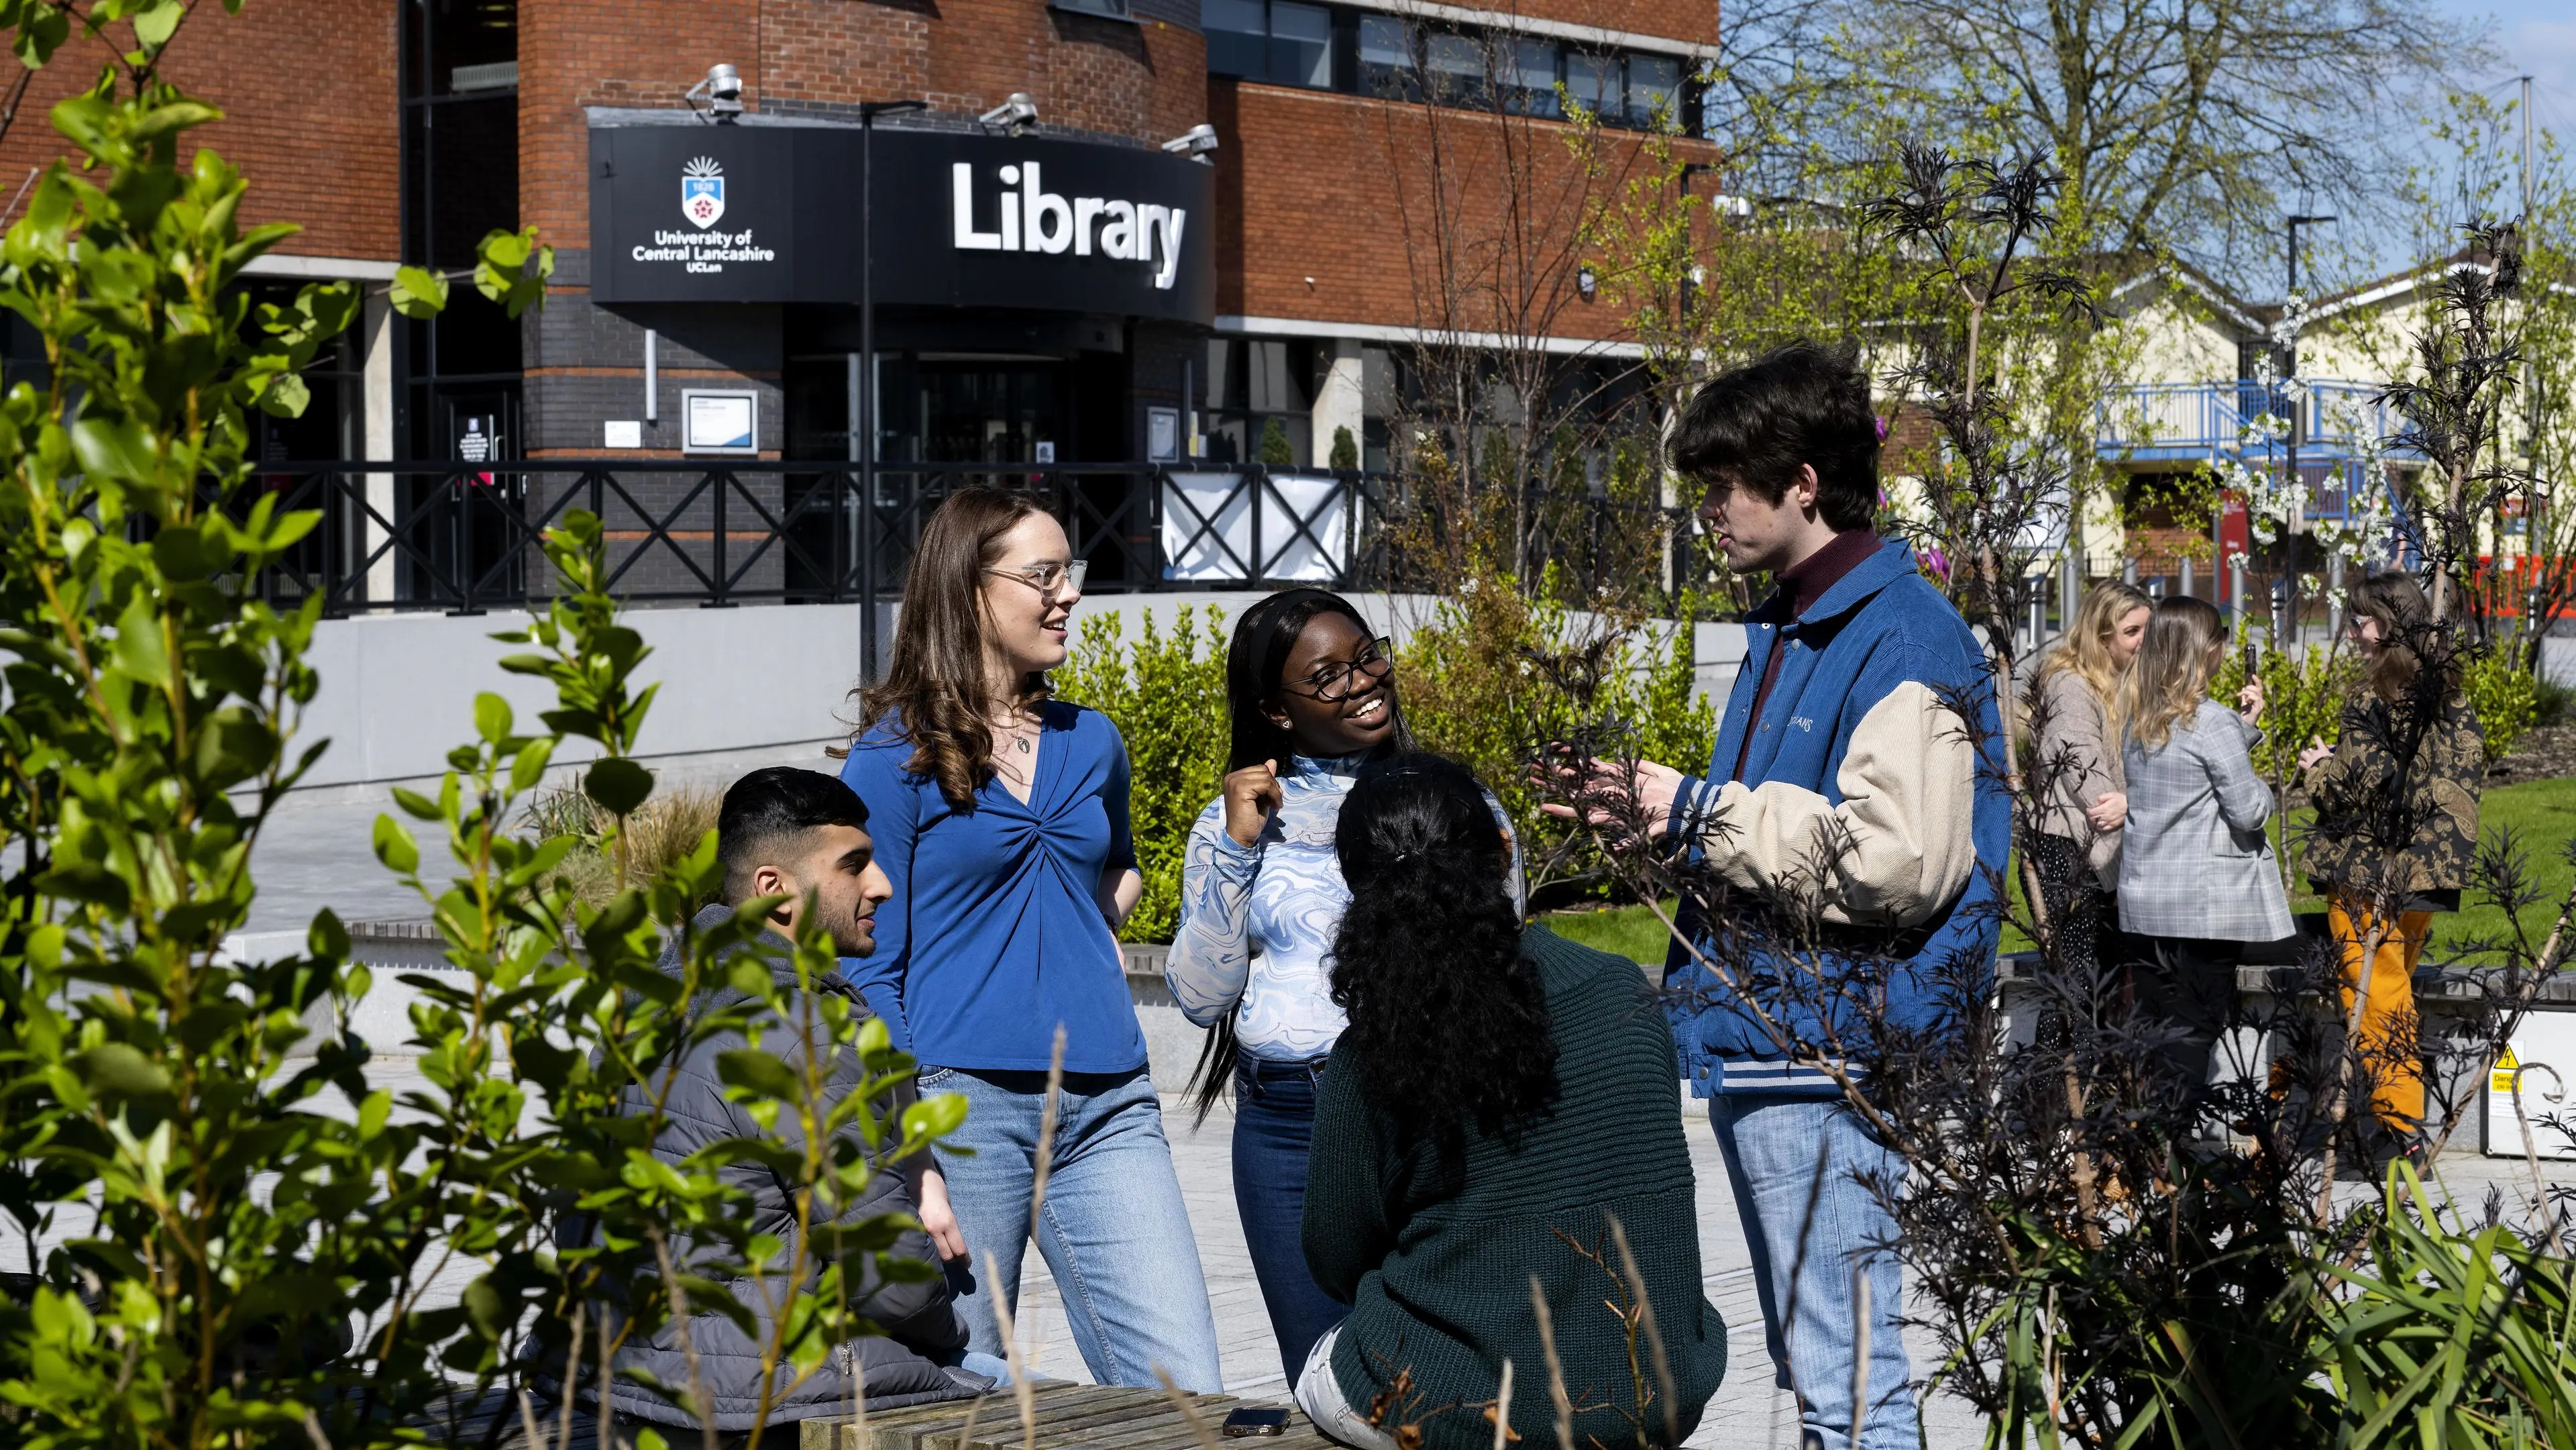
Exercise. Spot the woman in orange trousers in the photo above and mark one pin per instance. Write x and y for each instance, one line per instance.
(2396, 828)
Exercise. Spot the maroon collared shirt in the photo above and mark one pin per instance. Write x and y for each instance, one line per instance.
(1800, 586)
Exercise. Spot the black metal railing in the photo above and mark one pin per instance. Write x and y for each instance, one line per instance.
(463, 538)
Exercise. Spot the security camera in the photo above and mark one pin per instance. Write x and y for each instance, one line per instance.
(722, 91)
(1016, 115)
(1195, 142)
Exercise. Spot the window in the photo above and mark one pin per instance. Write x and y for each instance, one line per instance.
(1301, 44)
(1454, 67)
(1238, 36)
(1534, 78)
(1108, 9)
(1654, 88)
(1269, 40)
(1593, 82)
(1260, 397)
(1386, 56)
(1364, 52)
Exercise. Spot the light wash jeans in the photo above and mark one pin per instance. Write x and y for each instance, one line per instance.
(1114, 1232)
(1813, 1229)
(1319, 1394)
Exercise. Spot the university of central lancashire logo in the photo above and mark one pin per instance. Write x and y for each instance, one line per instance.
(702, 191)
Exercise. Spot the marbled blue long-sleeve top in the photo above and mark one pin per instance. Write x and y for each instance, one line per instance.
(1257, 922)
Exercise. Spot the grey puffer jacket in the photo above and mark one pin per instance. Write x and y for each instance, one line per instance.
(920, 1320)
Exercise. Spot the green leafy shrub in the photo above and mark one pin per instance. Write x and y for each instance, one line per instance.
(2550, 701)
(2454, 1336)
(238, 1190)
(2506, 697)
(2303, 699)
(1167, 695)
(1499, 669)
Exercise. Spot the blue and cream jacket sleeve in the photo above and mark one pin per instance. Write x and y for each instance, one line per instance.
(1897, 847)
(1211, 955)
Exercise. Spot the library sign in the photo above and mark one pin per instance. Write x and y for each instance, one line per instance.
(691, 212)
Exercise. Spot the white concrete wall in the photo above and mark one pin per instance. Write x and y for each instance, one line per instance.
(397, 691)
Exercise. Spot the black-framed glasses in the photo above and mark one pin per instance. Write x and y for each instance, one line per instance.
(1051, 581)
(1339, 681)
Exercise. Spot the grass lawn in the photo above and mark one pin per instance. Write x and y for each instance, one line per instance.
(2540, 813)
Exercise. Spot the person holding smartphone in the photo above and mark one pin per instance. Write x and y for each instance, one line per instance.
(2396, 833)
(2198, 877)
(1310, 690)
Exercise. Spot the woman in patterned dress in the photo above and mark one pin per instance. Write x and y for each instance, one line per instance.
(1311, 691)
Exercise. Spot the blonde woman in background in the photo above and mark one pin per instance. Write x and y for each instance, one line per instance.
(2198, 879)
(2076, 756)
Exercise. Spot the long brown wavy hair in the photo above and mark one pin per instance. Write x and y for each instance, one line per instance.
(2185, 642)
(2392, 597)
(934, 686)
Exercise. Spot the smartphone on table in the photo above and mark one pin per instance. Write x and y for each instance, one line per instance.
(1255, 1420)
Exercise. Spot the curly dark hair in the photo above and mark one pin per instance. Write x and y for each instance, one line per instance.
(1449, 1025)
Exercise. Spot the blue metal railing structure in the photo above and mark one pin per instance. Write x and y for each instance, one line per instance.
(2337, 422)
(463, 538)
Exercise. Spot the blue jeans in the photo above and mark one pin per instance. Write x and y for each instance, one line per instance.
(1814, 1228)
(1114, 1231)
(1274, 1119)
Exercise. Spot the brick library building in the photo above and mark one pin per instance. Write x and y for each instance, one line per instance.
(920, 234)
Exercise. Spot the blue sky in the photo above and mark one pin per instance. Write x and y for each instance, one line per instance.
(2537, 37)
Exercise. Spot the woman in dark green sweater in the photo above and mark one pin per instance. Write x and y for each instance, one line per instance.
(1501, 1099)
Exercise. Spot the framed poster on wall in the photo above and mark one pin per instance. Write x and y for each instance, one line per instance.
(719, 420)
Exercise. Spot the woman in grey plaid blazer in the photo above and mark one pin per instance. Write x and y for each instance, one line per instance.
(2198, 878)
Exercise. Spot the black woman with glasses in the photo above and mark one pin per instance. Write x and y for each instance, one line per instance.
(1310, 688)
(1000, 817)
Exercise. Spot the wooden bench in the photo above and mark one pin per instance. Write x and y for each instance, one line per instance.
(1069, 1417)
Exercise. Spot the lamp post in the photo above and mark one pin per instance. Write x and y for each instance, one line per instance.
(863, 422)
(2290, 313)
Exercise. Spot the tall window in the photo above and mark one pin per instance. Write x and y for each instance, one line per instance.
(458, 383)
(1269, 40)
(460, 181)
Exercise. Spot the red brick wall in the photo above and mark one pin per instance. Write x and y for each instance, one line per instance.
(1341, 189)
(963, 56)
(308, 90)
(1692, 20)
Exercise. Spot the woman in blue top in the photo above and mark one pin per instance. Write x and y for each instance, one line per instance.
(1311, 691)
(1000, 817)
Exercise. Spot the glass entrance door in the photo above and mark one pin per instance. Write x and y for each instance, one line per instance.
(977, 411)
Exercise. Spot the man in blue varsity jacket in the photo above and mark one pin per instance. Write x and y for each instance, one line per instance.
(1844, 784)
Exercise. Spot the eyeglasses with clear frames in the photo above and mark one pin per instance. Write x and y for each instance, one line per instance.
(1051, 581)
(1337, 682)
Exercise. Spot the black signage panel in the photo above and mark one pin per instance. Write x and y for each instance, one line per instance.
(697, 213)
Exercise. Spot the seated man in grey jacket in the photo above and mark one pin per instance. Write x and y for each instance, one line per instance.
(801, 835)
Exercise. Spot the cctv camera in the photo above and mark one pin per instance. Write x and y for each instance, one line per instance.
(1197, 141)
(722, 90)
(1017, 114)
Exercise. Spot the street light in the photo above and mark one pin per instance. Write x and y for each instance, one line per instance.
(863, 428)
